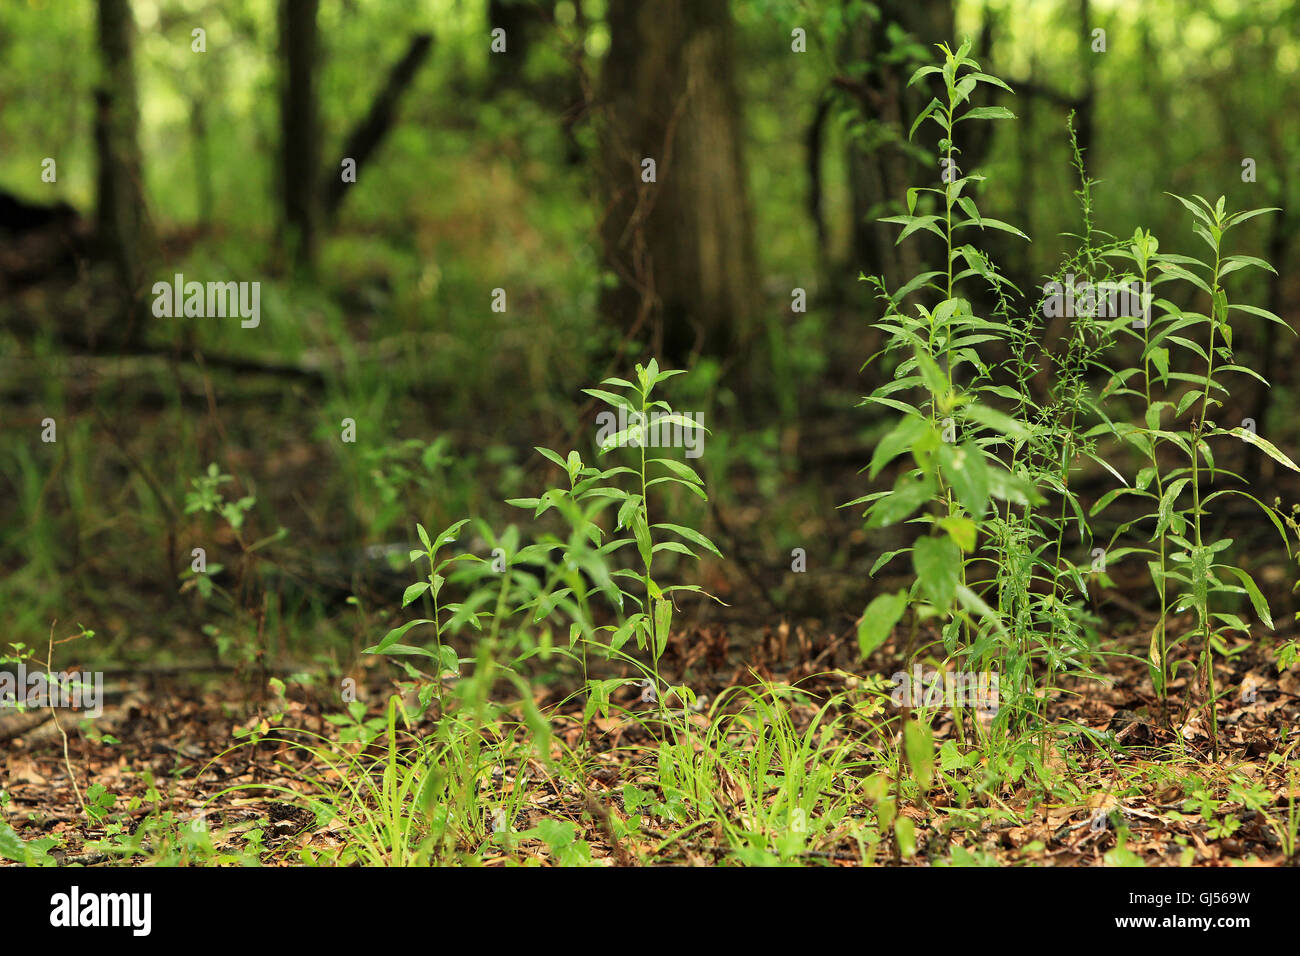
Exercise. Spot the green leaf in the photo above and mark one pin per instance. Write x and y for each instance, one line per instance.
(885, 559)
(938, 569)
(999, 422)
(395, 635)
(449, 533)
(968, 473)
(918, 742)
(641, 532)
(551, 456)
(935, 381)
(1233, 263)
(963, 89)
(905, 834)
(923, 71)
(1200, 574)
(975, 604)
(1005, 486)
(1256, 598)
(1195, 210)
(610, 398)
(987, 112)
(986, 78)
(1166, 513)
(1265, 445)
(691, 535)
(912, 223)
(678, 468)
(620, 636)
(899, 440)
(662, 620)
(920, 117)
(878, 621)
(414, 591)
(1251, 214)
(986, 222)
(676, 546)
(11, 845)
(910, 492)
(1160, 359)
(961, 530)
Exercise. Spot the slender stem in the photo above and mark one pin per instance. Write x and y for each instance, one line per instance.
(1203, 607)
(649, 600)
(437, 634)
(1160, 494)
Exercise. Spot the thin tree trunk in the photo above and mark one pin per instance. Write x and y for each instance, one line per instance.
(519, 19)
(299, 166)
(122, 223)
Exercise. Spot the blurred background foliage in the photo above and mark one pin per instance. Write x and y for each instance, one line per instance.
(502, 171)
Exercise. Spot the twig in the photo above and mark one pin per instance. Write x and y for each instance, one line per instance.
(67, 758)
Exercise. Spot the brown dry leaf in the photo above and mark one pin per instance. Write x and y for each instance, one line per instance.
(1193, 729)
(1020, 836)
(1289, 681)
(1058, 816)
(732, 790)
(1102, 800)
(23, 770)
(1169, 795)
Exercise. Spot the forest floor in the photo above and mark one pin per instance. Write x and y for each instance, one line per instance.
(167, 778)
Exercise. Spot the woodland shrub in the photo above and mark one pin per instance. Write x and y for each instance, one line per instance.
(1000, 573)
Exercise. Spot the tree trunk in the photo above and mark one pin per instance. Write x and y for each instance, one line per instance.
(881, 175)
(299, 166)
(681, 246)
(369, 133)
(122, 224)
(518, 18)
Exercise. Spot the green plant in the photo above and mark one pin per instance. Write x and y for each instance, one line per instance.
(651, 620)
(206, 496)
(993, 486)
(26, 852)
(1187, 562)
(247, 644)
(953, 437)
(523, 589)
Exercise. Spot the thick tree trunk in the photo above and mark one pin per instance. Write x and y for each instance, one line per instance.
(680, 246)
(300, 146)
(122, 224)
